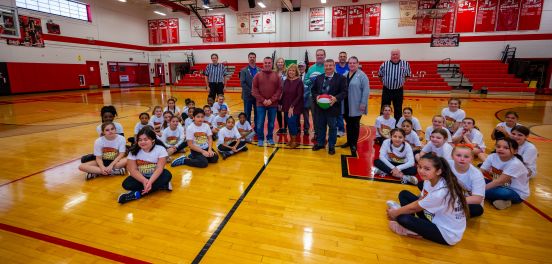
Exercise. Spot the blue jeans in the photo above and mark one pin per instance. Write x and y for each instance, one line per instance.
(502, 193)
(262, 111)
(247, 106)
(340, 123)
(293, 123)
(324, 121)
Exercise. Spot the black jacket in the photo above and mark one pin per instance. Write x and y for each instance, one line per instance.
(338, 88)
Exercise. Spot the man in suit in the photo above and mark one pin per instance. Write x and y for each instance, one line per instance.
(334, 85)
(246, 80)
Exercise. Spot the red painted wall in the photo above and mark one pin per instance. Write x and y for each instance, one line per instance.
(44, 77)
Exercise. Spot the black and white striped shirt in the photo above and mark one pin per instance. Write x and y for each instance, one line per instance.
(394, 74)
(215, 73)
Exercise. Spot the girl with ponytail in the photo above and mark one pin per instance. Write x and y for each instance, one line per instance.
(441, 208)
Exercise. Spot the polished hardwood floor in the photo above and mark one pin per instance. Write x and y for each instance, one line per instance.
(297, 209)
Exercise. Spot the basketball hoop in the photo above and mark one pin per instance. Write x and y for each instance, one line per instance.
(435, 13)
(209, 34)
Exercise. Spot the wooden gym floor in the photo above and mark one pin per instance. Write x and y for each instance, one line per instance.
(267, 205)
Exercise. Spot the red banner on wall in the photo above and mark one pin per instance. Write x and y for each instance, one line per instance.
(446, 24)
(163, 30)
(372, 14)
(465, 15)
(530, 15)
(152, 30)
(355, 21)
(216, 24)
(425, 25)
(339, 21)
(173, 30)
(508, 15)
(485, 19)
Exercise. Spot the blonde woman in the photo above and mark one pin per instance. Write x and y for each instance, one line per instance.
(292, 103)
(280, 69)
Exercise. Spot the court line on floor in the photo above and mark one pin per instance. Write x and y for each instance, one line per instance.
(541, 213)
(221, 226)
(70, 244)
(38, 172)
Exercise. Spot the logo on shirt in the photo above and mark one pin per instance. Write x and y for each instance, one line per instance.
(228, 140)
(145, 167)
(109, 153)
(495, 173)
(385, 130)
(200, 138)
(395, 158)
(220, 124)
(429, 215)
(449, 122)
(172, 140)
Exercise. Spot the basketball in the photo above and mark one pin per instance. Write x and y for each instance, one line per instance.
(324, 101)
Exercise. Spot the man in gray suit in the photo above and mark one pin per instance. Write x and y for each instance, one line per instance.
(246, 79)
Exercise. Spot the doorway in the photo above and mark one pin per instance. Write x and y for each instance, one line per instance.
(93, 77)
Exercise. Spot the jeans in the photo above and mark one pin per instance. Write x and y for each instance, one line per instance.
(247, 106)
(324, 121)
(340, 123)
(292, 123)
(132, 184)
(395, 96)
(420, 225)
(306, 119)
(502, 193)
(262, 111)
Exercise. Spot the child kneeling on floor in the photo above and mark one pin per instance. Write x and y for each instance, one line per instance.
(199, 137)
(229, 141)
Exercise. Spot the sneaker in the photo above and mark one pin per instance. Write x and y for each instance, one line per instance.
(167, 187)
(400, 230)
(260, 143)
(120, 171)
(244, 149)
(502, 204)
(225, 154)
(129, 196)
(270, 142)
(393, 205)
(409, 179)
(340, 133)
(179, 161)
(90, 176)
(378, 171)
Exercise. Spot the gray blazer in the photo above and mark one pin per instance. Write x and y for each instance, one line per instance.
(246, 80)
(359, 91)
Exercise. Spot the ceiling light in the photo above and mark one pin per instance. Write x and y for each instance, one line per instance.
(261, 4)
(160, 13)
(124, 1)
(323, 1)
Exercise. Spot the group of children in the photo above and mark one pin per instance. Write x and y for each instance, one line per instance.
(156, 138)
(452, 188)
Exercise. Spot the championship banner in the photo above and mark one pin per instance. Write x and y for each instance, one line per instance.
(446, 24)
(508, 15)
(530, 15)
(485, 20)
(425, 25)
(372, 15)
(465, 15)
(269, 22)
(30, 29)
(355, 21)
(339, 21)
(317, 19)
(407, 10)
(255, 23)
(243, 23)
(445, 40)
(216, 23)
(163, 31)
(153, 32)
(173, 31)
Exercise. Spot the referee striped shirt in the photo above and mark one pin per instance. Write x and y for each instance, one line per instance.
(393, 74)
(215, 73)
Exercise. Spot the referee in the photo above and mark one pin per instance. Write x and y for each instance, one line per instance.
(215, 74)
(392, 74)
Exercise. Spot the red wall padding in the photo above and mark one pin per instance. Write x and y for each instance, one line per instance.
(43, 77)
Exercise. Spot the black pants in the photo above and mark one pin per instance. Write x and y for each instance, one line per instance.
(241, 145)
(420, 225)
(393, 96)
(196, 159)
(353, 129)
(380, 165)
(162, 181)
(215, 89)
(281, 120)
(181, 146)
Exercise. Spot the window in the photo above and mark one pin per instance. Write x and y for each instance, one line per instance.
(66, 8)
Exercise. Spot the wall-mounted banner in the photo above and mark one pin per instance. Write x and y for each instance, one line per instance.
(508, 15)
(339, 21)
(407, 10)
(317, 19)
(445, 40)
(30, 32)
(465, 15)
(485, 19)
(530, 15)
(372, 19)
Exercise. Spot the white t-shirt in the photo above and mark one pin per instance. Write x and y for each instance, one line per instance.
(506, 127)
(209, 120)
(243, 127)
(450, 221)
(147, 161)
(385, 125)
(109, 149)
(452, 117)
(529, 153)
(173, 137)
(413, 139)
(199, 135)
(225, 135)
(403, 154)
(118, 128)
(156, 121)
(176, 110)
(220, 121)
(188, 122)
(415, 123)
(216, 108)
(472, 180)
(475, 137)
(445, 151)
(139, 126)
(514, 168)
(429, 130)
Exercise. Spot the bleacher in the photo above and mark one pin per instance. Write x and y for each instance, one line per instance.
(493, 75)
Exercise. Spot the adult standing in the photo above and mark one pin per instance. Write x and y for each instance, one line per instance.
(356, 102)
(281, 70)
(342, 68)
(267, 90)
(335, 85)
(307, 102)
(292, 103)
(215, 77)
(392, 74)
(314, 71)
(246, 80)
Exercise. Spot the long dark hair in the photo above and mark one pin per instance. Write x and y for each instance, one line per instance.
(148, 131)
(456, 191)
(513, 145)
